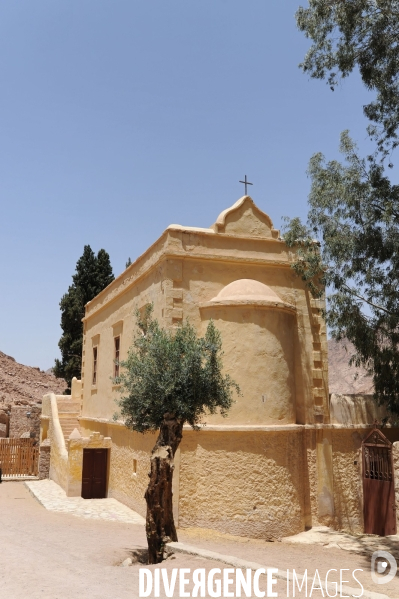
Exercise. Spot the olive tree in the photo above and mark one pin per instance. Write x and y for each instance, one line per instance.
(170, 378)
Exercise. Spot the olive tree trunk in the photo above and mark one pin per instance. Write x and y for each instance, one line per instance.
(160, 526)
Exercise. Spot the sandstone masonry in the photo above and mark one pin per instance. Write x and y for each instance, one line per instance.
(25, 419)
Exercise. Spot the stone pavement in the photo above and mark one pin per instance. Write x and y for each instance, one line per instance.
(362, 544)
(53, 498)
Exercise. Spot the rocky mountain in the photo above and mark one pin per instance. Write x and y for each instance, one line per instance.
(24, 385)
(345, 379)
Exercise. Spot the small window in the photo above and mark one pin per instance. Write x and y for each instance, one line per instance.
(94, 365)
(117, 342)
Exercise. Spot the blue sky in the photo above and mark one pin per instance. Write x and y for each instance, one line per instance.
(119, 118)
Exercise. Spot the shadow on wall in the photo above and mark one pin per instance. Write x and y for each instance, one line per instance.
(355, 409)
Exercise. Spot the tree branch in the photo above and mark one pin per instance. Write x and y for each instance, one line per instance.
(370, 303)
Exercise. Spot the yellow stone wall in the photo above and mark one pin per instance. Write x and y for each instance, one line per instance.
(257, 483)
(278, 355)
(347, 475)
(243, 483)
(311, 516)
(76, 444)
(253, 337)
(209, 487)
(275, 465)
(51, 430)
(127, 481)
(347, 479)
(274, 346)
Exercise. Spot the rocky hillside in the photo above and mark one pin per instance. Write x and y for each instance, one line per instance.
(24, 385)
(343, 378)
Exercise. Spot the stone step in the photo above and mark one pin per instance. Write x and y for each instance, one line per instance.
(68, 425)
(65, 405)
(71, 425)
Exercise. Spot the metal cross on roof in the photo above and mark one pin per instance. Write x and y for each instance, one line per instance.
(246, 183)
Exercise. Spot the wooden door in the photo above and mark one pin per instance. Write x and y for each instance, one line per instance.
(94, 475)
(378, 485)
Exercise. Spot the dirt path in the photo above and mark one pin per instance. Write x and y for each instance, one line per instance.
(289, 556)
(51, 555)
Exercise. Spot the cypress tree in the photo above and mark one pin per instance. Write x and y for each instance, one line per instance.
(93, 273)
(105, 276)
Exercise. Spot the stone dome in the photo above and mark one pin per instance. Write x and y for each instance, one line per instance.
(248, 292)
(248, 289)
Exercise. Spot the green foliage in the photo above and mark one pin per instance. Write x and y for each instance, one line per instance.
(358, 33)
(308, 264)
(354, 209)
(354, 213)
(172, 372)
(93, 274)
(128, 263)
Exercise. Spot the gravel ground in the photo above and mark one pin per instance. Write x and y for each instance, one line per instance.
(57, 555)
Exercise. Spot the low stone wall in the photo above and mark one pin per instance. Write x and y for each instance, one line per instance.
(25, 419)
(44, 459)
(4, 424)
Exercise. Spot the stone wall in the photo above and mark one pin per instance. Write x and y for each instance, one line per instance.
(243, 483)
(347, 479)
(25, 419)
(129, 463)
(4, 423)
(44, 459)
(355, 409)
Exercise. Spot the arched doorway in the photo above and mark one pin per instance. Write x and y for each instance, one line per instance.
(379, 509)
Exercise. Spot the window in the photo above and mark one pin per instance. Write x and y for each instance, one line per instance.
(117, 332)
(94, 381)
(117, 342)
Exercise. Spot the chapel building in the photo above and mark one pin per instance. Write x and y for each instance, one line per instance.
(286, 458)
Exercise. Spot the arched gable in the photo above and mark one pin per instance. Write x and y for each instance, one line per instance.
(245, 219)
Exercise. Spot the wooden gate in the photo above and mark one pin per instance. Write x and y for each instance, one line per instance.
(378, 485)
(94, 475)
(19, 457)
